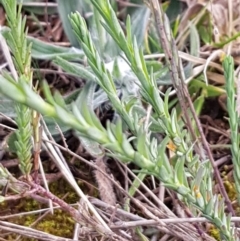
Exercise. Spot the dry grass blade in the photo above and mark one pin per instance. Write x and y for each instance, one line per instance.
(29, 232)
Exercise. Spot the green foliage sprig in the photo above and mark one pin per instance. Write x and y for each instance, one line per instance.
(16, 39)
(104, 79)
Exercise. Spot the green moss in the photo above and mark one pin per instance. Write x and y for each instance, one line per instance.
(61, 188)
(231, 190)
(214, 232)
(60, 223)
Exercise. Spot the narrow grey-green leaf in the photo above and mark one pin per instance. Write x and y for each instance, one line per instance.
(46, 51)
(7, 106)
(75, 69)
(194, 41)
(140, 19)
(85, 104)
(64, 9)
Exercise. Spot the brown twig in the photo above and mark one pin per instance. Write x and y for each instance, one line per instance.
(66, 207)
